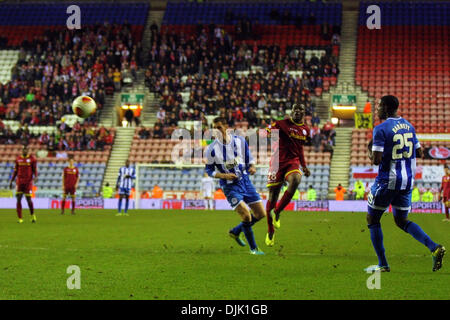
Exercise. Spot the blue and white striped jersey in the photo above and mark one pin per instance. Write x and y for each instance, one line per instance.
(397, 139)
(123, 181)
(234, 157)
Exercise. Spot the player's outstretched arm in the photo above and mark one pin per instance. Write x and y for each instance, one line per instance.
(13, 177)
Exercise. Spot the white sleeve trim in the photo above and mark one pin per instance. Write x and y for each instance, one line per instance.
(377, 148)
(418, 145)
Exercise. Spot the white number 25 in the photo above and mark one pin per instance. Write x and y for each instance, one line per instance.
(400, 141)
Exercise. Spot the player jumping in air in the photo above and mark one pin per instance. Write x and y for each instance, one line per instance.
(229, 159)
(70, 180)
(285, 166)
(394, 149)
(207, 191)
(25, 171)
(444, 192)
(124, 184)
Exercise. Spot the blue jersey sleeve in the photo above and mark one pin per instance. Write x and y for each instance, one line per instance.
(378, 139)
(416, 141)
(210, 165)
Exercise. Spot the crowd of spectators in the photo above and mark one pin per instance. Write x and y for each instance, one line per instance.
(322, 139)
(208, 69)
(80, 137)
(55, 68)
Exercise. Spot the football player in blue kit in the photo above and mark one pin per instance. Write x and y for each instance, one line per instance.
(395, 148)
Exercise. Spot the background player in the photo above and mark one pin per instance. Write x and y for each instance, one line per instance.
(70, 183)
(207, 191)
(444, 192)
(285, 165)
(230, 160)
(124, 184)
(394, 149)
(25, 170)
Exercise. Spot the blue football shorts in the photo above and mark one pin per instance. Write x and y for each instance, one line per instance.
(243, 190)
(124, 191)
(380, 197)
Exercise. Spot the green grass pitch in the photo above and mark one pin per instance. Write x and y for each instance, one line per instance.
(188, 255)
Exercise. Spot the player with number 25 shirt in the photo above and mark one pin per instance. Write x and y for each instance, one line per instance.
(394, 149)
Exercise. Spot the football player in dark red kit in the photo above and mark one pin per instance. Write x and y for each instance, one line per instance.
(70, 182)
(285, 165)
(25, 171)
(444, 192)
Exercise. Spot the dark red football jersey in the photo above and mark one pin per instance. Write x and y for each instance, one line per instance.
(292, 137)
(70, 176)
(445, 187)
(25, 168)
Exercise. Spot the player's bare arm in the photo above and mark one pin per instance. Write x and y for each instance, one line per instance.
(13, 177)
(306, 171)
(252, 169)
(226, 176)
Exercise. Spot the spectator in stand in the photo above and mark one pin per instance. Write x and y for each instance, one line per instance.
(311, 194)
(368, 107)
(315, 120)
(129, 117)
(44, 138)
(328, 146)
(158, 132)
(316, 137)
(161, 115)
(117, 79)
(144, 133)
(2, 111)
(427, 196)
(415, 196)
(51, 146)
(339, 192)
(326, 129)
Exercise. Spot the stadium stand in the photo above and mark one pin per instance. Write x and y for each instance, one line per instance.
(214, 68)
(409, 56)
(43, 66)
(278, 58)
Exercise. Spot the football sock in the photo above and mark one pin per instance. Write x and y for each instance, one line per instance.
(126, 204)
(73, 204)
(446, 212)
(120, 205)
(248, 232)
(269, 206)
(211, 204)
(19, 209)
(63, 205)
(206, 203)
(238, 229)
(376, 235)
(418, 234)
(287, 196)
